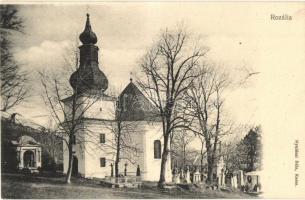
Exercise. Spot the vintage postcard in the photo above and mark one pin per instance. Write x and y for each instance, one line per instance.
(158, 99)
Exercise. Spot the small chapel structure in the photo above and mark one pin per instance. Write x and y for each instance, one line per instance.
(95, 156)
(28, 153)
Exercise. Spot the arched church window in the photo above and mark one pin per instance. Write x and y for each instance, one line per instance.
(103, 162)
(157, 149)
(102, 138)
(124, 106)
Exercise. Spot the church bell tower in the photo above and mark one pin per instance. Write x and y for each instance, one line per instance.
(89, 83)
(94, 155)
(88, 78)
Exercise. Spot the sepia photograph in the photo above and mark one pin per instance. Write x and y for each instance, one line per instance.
(158, 100)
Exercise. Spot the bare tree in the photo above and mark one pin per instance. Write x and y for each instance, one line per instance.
(202, 152)
(246, 73)
(167, 69)
(207, 102)
(51, 144)
(68, 109)
(13, 90)
(180, 143)
(122, 145)
(231, 155)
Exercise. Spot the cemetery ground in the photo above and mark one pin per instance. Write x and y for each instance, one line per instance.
(19, 186)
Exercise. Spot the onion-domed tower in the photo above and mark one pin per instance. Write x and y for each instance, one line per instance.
(92, 108)
(88, 78)
(94, 140)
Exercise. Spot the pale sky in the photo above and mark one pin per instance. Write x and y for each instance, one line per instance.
(238, 34)
(125, 31)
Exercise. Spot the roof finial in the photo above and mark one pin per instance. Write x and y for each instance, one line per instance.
(130, 76)
(88, 25)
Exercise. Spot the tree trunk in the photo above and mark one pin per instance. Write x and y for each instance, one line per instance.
(202, 156)
(201, 163)
(183, 156)
(210, 162)
(118, 148)
(210, 169)
(165, 152)
(69, 172)
(116, 168)
(117, 160)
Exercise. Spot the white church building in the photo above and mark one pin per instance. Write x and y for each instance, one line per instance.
(143, 138)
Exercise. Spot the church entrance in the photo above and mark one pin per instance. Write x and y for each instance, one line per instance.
(28, 159)
(75, 166)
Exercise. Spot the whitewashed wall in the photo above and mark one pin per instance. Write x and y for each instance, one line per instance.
(152, 166)
(142, 137)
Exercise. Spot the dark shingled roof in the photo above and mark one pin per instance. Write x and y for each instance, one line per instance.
(134, 106)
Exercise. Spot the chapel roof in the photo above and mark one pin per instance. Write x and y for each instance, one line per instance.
(135, 106)
(25, 140)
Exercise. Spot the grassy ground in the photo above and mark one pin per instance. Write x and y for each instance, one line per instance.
(22, 186)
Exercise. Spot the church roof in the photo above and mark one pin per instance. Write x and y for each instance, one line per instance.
(135, 106)
(25, 140)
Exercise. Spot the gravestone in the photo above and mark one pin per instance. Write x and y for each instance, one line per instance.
(181, 174)
(223, 178)
(176, 176)
(125, 170)
(111, 173)
(197, 177)
(187, 175)
(234, 182)
(240, 179)
(138, 171)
